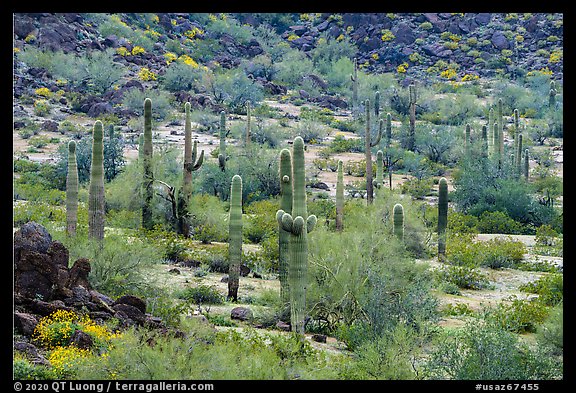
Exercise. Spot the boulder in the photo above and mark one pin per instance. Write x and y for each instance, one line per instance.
(499, 40)
(241, 313)
(25, 323)
(132, 301)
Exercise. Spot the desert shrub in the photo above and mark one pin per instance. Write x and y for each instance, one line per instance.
(517, 315)
(293, 66)
(133, 99)
(201, 294)
(311, 131)
(485, 352)
(498, 222)
(464, 277)
(340, 144)
(260, 220)
(180, 76)
(550, 289)
(550, 334)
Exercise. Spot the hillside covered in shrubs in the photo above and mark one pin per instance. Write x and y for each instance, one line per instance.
(322, 196)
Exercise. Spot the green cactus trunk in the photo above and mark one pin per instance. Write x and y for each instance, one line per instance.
(283, 235)
(398, 213)
(484, 142)
(248, 122)
(354, 79)
(299, 224)
(526, 164)
(71, 190)
(489, 128)
(190, 165)
(379, 182)
(235, 237)
(141, 148)
(368, 153)
(496, 146)
(518, 162)
(222, 149)
(442, 218)
(96, 188)
(388, 129)
(500, 121)
(411, 143)
(340, 198)
(552, 95)
(148, 176)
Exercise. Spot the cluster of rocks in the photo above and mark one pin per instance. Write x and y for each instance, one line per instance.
(43, 284)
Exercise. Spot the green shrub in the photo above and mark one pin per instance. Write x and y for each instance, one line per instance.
(550, 334)
(517, 315)
(464, 277)
(498, 222)
(201, 294)
(484, 352)
(550, 289)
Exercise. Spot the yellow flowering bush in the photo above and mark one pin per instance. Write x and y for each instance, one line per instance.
(138, 50)
(469, 77)
(122, 51)
(448, 73)
(56, 329)
(191, 34)
(402, 68)
(556, 56)
(387, 35)
(43, 92)
(30, 38)
(146, 75)
(170, 57)
(65, 359)
(375, 56)
(188, 61)
(292, 37)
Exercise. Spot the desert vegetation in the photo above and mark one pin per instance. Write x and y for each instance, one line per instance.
(288, 196)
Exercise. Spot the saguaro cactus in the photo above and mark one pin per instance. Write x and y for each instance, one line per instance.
(442, 218)
(398, 213)
(518, 162)
(496, 146)
(248, 122)
(467, 140)
(190, 165)
(96, 189)
(283, 235)
(354, 79)
(368, 153)
(552, 95)
(388, 129)
(526, 164)
(484, 141)
(71, 190)
(379, 169)
(235, 237)
(340, 198)
(148, 176)
(222, 157)
(298, 224)
(412, 133)
(489, 127)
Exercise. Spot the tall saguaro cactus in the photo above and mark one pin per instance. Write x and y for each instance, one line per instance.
(298, 224)
(190, 165)
(398, 218)
(518, 158)
(248, 122)
(71, 190)
(442, 218)
(412, 132)
(388, 129)
(96, 189)
(526, 164)
(340, 198)
(222, 158)
(283, 235)
(496, 146)
(235, 237)
(467, 140)
(368, 153)
(354, 78)
(484, 141)
(379, 169)
(148, 176)
(552, 95)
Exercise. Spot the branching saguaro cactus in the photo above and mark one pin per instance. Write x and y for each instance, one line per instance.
(340, 198)
(235, 237)
(222, 158)
(71, 190)
(368, 153)
(283, 235)
(191, 164)
(298, 224)
(398, 218)
(442, 218)
(148, 176)
(96, 189)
